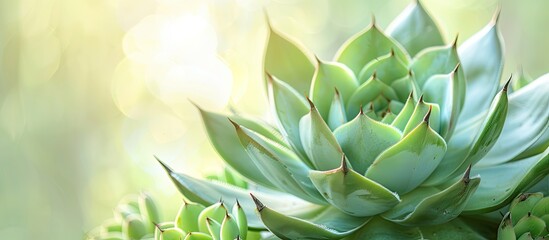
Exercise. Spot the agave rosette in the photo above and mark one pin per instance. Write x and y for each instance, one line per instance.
(400, 135)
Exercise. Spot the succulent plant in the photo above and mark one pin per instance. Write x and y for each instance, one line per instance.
(134, 218)
(400, 136)
(137, 219)
(528, 218)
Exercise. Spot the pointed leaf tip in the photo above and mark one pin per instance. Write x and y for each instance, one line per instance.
(156, 225)
(507, 83)
(373, 21)
(269, 77)
(194, 104)
(454, 43)
(236, 125)
(411, 95)
(336, 91)
(467, 176)
(318, 61)
(258, 204)
(428, 114)
(456, 68)
(344, 166)
(495, 17)
(508, 218)
(166, 167)
(311, 104)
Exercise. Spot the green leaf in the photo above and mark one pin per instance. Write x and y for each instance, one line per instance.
(279, 164)
(363, 139)
(388, 118)
(529, 224)
(328, 224)
(405, 86)
(410, 161)
(405, 113)
(505, 229)
(214, 228)
(421, 109)
(415, 29)
(210, 218)
(225, 141)
(330, 75)
(433, 61)
(337, 115)
(485, 139)
(197, 236)
(288, 61)
(541, 208)
(497, 189)
(367, 45)
(289, 107)
(482, 59)
(208, 192)
(318, 141)
(422, 207)
(366, 93)
(187, 216)
(229, 229)
(523, 205)
(388, 68)
(353, 193)
(456, 229)
(241, 220)
(381, 229)
(444, 90)
(394, 106)
(526, 124)
(538, 146)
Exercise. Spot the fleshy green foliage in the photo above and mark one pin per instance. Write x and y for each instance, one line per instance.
(137, 219)
(134, 218)
(401, 135)
(528, 218)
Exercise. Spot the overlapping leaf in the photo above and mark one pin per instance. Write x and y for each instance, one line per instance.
(363, 139)
(482, 60)
(209, 192)
(353, 193)
(288, 61)
(410, 161)
(366, 46)
(327, 224)
(415, 29)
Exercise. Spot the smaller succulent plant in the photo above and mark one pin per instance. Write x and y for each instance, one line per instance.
(136, 218)
(528, 218)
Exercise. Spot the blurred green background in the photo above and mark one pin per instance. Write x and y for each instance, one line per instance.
(90, 90)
